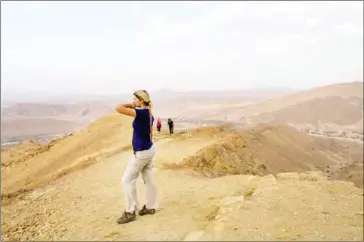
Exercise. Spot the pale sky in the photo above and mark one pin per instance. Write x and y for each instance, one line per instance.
(116, 47)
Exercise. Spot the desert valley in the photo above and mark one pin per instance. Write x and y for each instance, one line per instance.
(242, 165)
(261, 107)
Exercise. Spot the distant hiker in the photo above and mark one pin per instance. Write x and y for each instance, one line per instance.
(170, 126)
(141, 161)
(159, 125)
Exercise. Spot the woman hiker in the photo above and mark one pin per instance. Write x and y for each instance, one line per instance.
(141, 161)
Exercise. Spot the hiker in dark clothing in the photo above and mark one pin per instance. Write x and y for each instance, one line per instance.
(170, 126)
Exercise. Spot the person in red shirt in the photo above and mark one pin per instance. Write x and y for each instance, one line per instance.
(159, 125)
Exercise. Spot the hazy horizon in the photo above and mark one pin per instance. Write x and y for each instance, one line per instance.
(102, 48)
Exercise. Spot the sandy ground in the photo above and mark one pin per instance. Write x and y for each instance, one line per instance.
(70, 189)
(85, 205)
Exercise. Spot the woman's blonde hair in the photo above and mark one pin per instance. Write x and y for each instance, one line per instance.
(143, 95)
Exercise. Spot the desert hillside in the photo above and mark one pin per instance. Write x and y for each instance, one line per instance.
(222, 173)
(342, 90)
(42, 119)
(333, 108)
(265, 149)
(193, 104)
(338, 105)
(14, 129)
(107, 134)
(22, 121)
(54, 110)
(318, 109)
(352, 172)
(282, 148)
(270, 149)
(28, 164)
(164, 100)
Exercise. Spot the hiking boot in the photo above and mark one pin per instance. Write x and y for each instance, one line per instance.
(145, 211)
(126, 218)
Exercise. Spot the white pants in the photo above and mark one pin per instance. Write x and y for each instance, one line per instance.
(140, 162)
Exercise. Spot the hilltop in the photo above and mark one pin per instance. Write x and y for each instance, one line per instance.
(264, 149)
(214, 183)
(270, 149)
(85, 204)
(80, 149)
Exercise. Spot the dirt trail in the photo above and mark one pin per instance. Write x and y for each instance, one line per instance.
(85, 205)
(95, 193)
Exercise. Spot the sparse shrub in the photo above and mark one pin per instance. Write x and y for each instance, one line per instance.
(262, 167)
(212, 215)
(249, 191)
(111, 235)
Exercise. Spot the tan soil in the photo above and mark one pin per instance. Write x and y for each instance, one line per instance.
(62, 195)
